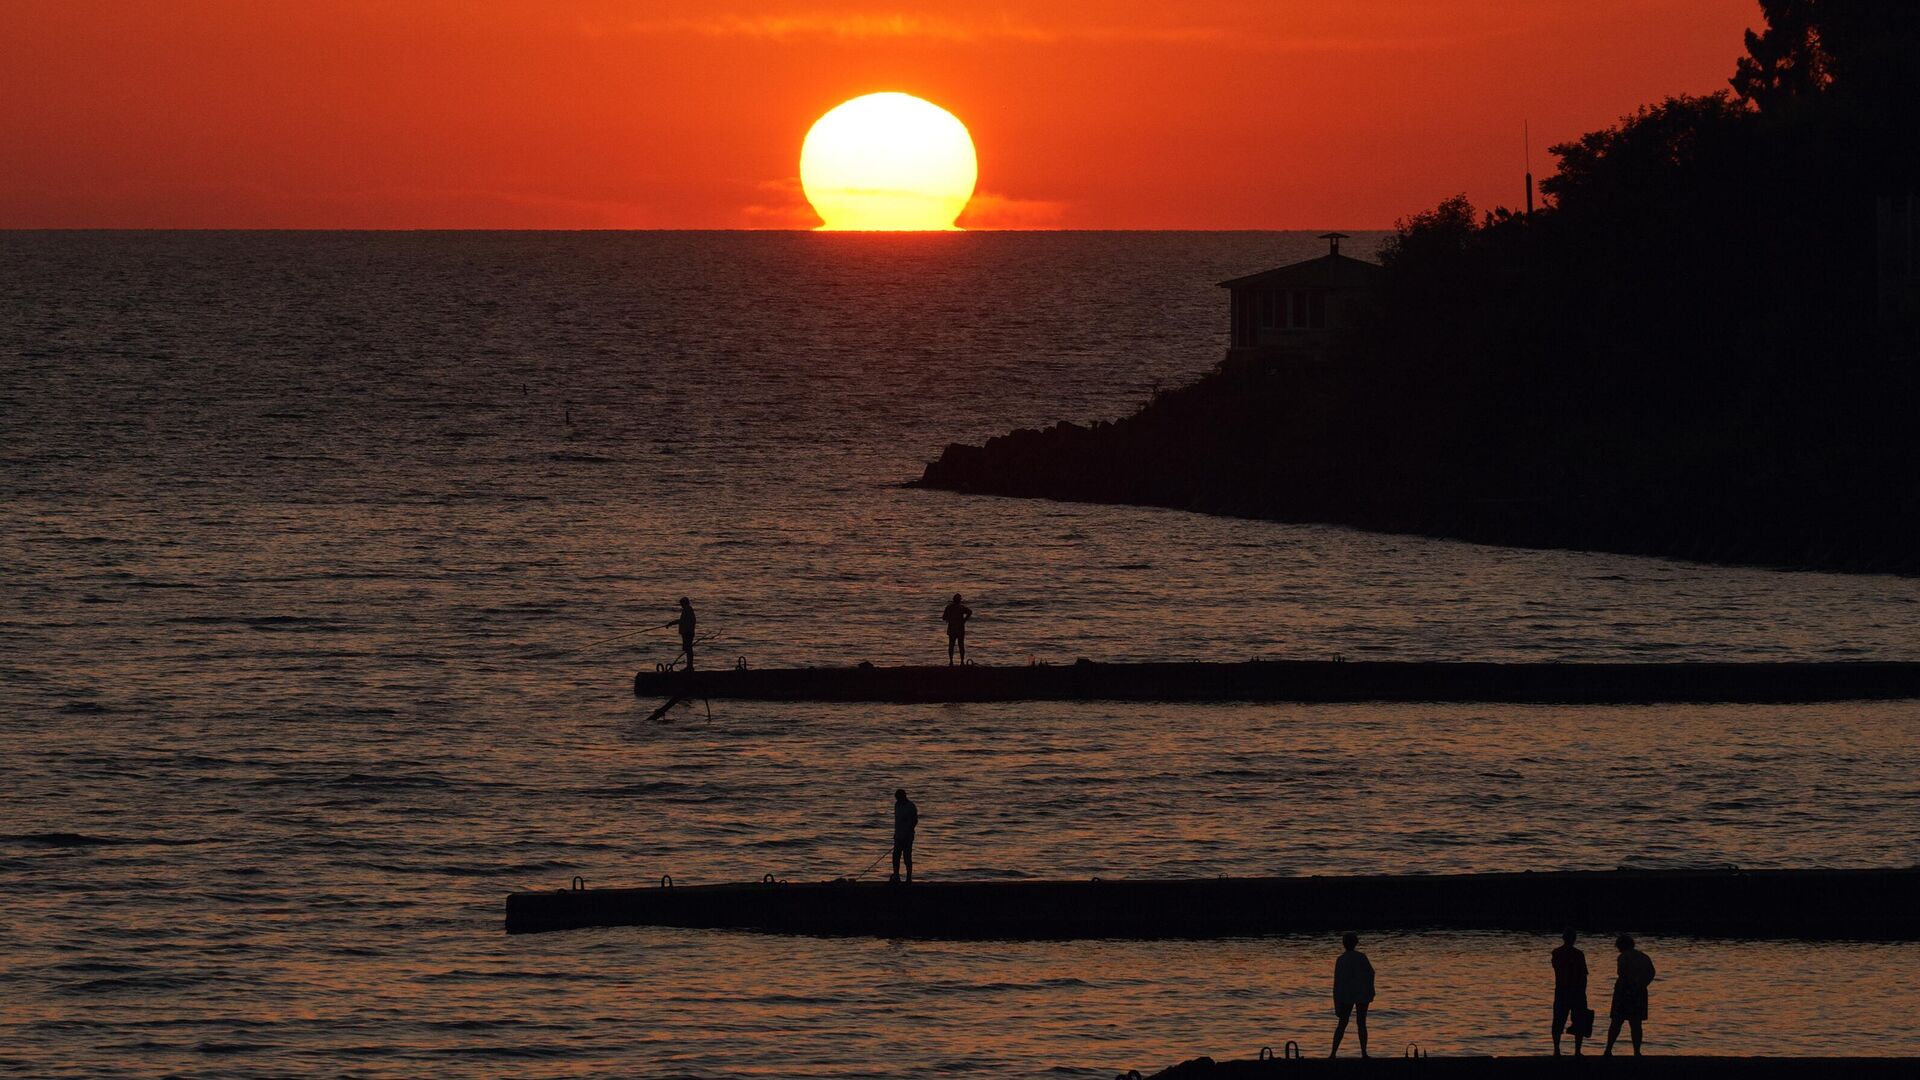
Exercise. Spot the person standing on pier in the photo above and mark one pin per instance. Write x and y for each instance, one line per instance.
(956, 616)
(1352, 991)
(906, 818)
(1635, 974)
(1570, 994)
(686, 623)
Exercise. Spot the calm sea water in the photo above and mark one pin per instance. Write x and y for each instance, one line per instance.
(304, 536)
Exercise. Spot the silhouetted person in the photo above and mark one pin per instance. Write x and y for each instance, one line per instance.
(1629, 992)
(1570, 993)
(956, 615)
(686, 623)
(1352, 992)
(906, 818)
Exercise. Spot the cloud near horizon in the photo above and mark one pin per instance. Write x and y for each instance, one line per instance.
(858, 27)
(989, 210)
(900, 25)
(780, 204)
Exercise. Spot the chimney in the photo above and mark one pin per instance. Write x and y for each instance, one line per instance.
(1333, 241)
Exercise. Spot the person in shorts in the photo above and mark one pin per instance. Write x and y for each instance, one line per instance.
(1352, 991)
(1570, 993)
(956, 616)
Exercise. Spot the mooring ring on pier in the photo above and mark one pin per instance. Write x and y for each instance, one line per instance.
(1291, 1051)
(1265, 1054)
(1412, 1051)
(666, 881)
(579, 883)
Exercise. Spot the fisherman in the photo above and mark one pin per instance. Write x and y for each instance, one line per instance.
(1352, 991)
(686, 622)
(1570, 994)
(906, 818)
(956, 616)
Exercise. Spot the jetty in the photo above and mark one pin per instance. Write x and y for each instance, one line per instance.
(1398, 1061)
(1305, 681)
(1801, 904)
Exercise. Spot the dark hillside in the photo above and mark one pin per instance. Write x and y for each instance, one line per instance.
(1691, 351)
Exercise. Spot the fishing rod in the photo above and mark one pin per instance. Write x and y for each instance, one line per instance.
(661, 712)
(870, 867)
(682, 655)
(619, 637)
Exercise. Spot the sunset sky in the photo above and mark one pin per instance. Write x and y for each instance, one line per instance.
(690, 113)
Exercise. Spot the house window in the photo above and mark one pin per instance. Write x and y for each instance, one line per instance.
(1299, 309)
(1317, 310)
(1267, 307)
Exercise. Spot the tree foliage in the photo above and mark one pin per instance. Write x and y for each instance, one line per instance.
(1446, 229)
(1653, 156)
(1787, 62)
(1689, 326)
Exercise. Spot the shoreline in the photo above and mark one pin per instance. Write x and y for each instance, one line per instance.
(1485, 535)
(1307, 444)
(1691, 1067)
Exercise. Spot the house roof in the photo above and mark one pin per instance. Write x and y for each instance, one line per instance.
(1333, 271)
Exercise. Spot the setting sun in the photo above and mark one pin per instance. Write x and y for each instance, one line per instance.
(691, 642)
(888, 162)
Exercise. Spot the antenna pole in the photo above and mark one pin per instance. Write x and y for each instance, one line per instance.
(1526, 143)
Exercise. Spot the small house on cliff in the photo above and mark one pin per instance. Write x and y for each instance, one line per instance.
(1297, 311)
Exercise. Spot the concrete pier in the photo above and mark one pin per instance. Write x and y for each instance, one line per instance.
(1808, 904)
(1305, 681)
(1389, 1062)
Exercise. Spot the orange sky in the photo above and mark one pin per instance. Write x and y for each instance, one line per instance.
(685, 114)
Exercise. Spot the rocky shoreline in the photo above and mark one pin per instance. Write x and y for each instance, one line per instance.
(1403, 1062)
(1302, 446)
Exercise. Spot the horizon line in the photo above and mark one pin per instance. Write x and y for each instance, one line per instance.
(603, 229)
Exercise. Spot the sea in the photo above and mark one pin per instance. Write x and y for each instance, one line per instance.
(325, 566)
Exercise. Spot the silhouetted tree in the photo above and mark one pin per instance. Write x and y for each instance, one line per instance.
(1446, 229)
(1854, 63)
(1652, 157)
(1787, 61)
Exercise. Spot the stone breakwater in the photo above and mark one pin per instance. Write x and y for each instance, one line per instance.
(1806, 904)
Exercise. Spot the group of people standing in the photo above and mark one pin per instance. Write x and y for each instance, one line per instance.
(1633, 973)
(1353, 993)
(1353, 989)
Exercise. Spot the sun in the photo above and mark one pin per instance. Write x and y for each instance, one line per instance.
(888, 162)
